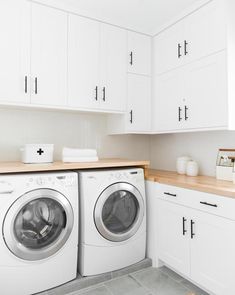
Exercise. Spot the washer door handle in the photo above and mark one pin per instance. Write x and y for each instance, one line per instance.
(6, 188)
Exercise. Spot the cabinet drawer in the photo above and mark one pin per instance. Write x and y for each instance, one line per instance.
(210, 203)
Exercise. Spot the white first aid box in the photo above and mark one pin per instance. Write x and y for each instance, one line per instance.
(37, 153)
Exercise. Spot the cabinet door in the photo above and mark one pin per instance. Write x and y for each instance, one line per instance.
(49, 56)
(212, 253)
(113, 68)
(169, 48)
(206, 31)
(139, 54)
(138, 118)
(83, 62)
(167, 110)
(173, 236)
(206, 92)
(15, 51)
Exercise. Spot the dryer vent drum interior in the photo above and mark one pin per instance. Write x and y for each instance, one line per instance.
(119, 212)
(38, 224)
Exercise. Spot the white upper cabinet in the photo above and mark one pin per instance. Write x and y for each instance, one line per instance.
(192, 97)
(15, 51)
(49, 56)
(97, 77)
(168, 48)
(139, 54)
(205, 93)
(83, 62)
(167, 109)
(198, 35)
(138, 118)
(113, 78)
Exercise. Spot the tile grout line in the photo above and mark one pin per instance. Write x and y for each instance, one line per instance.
(142, 285)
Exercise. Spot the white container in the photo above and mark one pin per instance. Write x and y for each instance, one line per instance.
(224, 173)
(192, 168)
(181, 164)
(37, 153)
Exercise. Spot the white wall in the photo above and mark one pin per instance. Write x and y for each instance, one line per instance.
(18, 127)
(202, 146)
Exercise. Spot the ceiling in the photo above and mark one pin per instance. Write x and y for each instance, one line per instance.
(140, 15)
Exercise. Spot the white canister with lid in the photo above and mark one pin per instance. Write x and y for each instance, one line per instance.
(181, 164)
(192, 168)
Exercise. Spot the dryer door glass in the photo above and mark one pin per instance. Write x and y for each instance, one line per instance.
(38, 224)
(119, 212)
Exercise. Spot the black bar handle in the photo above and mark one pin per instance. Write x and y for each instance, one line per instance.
(131, 56)
(131, 116)
(192, 233)
(169, 194)
(96, 93)
(36, 85)
(104, 93)
(185, 47)
(179, 114)
(26, 84)
(184, 230)
(209, 204)
(186, 113)
(179, 50)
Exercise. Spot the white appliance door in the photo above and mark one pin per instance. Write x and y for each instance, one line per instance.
(119, 212)
(38, 224)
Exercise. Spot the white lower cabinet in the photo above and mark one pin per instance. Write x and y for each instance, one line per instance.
(212, 253)
(196, 239)
(173, 236)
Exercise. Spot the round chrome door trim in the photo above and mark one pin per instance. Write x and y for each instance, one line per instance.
(99, 207)
(19, 249)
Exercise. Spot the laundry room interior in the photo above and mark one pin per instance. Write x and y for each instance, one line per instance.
(117, 147)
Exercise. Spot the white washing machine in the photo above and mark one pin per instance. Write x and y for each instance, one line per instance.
(39, 231)
(113, 220)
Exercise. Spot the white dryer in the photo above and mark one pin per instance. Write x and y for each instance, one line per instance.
(39, 231)
(113, 220)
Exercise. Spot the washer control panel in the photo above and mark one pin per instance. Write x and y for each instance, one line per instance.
(50, 180)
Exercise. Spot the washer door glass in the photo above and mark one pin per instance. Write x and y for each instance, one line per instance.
(119, 212)
(38, 224)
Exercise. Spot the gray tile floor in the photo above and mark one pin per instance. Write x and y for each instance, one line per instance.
(149, 281)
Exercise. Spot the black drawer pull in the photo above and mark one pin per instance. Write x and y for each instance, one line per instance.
(179, 114)
(208, 204)
(169, 194)
(184, 230)
(185, 113)
(179, 50)
(185, 47)
(192, 233)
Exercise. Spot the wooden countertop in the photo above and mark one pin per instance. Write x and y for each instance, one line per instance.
(18, 167)
(205, 184)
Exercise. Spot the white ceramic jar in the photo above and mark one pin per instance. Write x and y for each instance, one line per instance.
(181, 164)
(192, 168)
